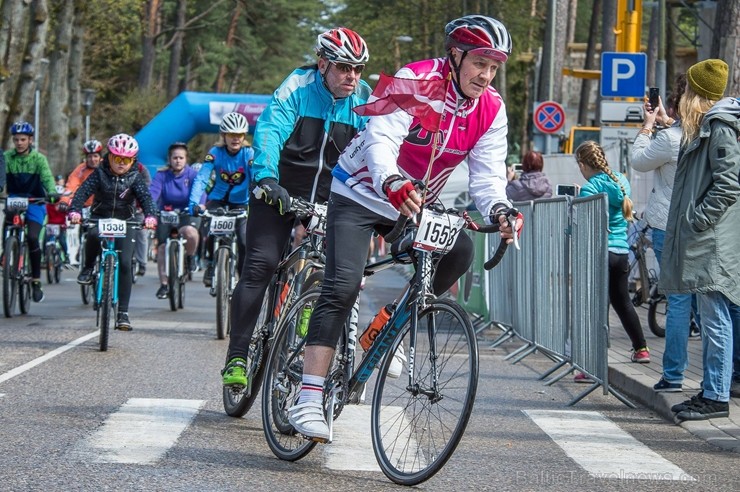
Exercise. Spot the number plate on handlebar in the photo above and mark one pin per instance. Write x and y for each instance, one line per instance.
(169, 217)
(317, 225)
(53, 229)
(437, 231)
(222, 225)
(111, 228)
(16, 203)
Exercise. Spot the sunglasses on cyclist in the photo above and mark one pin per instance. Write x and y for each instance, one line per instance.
(117, 159)
(347, 68)
(234, 135)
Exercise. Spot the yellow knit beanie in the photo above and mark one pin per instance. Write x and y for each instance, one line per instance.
(708, 78)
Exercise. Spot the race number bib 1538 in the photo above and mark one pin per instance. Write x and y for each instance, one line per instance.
(111, 228)
(223, 225)
(437, 232)
(16, 203)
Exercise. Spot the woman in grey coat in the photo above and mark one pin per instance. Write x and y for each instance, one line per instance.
(701, 252)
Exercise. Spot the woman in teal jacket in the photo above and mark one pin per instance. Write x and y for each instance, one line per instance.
(601, 179)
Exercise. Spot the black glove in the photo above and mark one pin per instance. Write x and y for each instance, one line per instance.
(500, 209)
(275, 195)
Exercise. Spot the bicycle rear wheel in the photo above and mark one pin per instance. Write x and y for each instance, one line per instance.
(49, 257)
(173, 280)
(283, 380)
(416, 428)
(105, 310)
(656, 315)
(58, 263)
(223, 281)
(10, 275)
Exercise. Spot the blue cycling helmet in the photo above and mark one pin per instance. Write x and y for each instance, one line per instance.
(21, 128)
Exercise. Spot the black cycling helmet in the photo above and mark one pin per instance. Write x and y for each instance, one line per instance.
(176, 145)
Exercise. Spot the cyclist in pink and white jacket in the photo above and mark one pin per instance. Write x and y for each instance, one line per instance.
(373, 184)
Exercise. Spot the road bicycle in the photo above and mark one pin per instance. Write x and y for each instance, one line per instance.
(647, 291)
(416, 421)
(175, 259)
(16, 264)
(53, 253)
(301, 268)
(222, 227)
(106, 276)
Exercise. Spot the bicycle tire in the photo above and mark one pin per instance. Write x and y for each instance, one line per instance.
(282, 383)
(24, 281)
(656, 312)
(85, 289)
(222, 280)
(410, 447)
(10, 275)
(57, 265)
(181, 292)
(313, 281)
(49, 257)
(173, 280)
(134, 269)
(105, 310)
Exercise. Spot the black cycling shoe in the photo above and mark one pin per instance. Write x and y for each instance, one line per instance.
(163, 291)
(208, 276)
(122, 322)
(38, 293)
(190, 263)
(85, 277)
(142, 270)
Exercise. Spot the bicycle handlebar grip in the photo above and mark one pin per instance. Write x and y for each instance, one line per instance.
(497, 256)
(397, 229)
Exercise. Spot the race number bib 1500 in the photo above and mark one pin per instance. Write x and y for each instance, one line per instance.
(223, 225)
(16, 203)
(437, 232)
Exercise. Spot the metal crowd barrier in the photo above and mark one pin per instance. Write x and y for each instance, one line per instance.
(553, 293)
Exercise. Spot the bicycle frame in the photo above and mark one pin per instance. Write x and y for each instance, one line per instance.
(108, 249)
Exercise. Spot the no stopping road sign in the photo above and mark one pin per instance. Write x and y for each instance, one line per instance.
(549, 117)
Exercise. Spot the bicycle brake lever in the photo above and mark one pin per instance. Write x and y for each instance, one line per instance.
(512, 222)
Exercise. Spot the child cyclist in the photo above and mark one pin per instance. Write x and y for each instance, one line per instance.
(117, 184)
(170, 190)
(231, 163)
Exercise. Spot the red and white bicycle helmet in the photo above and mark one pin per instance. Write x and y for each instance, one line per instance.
(479, 35)
(342, 45)
(92, 147)
(123, 145)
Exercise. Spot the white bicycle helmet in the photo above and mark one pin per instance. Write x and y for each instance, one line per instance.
(479, 35)
(342, 45)
(234, 123)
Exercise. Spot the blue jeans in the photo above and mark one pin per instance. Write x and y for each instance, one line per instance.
(720, 327)
(677, 325)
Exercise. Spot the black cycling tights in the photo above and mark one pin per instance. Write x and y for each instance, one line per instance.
(349, 229)
(33, 230)
(125, 246)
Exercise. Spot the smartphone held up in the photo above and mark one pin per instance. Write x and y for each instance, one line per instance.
(654, 98)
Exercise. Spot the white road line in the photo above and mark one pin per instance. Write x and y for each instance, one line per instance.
(39, 360)
(352, 447)
(140, 432)
(603, 449)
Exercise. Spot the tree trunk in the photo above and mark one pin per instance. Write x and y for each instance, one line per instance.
(22, 106)
(652, 47)
(173, 75)
(230, 35)
(608, 39)
(149, 31)
(76, 132)
(56, 111)
(572, 16)
(12, 40)
(551, 79)
(726, 41)
(589, 64)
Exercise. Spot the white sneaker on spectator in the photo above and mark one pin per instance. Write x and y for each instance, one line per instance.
(399, 358)
(308, 419)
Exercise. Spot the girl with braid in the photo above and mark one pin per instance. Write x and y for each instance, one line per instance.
(601, 179)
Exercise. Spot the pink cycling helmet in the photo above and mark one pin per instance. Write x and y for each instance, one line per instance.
(123, 145)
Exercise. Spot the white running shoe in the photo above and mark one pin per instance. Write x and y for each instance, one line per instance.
(399, 359)
(308, 419)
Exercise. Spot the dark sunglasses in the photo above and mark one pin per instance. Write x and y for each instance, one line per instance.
(347, 68)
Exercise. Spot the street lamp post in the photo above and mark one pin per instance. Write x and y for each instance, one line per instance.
(43, 66)
(88, 97)
(397, 45)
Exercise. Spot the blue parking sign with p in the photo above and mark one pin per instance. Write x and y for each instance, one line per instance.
(623, 74)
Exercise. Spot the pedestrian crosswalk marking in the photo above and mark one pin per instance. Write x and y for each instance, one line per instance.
(603, 449)
(352, 447)
(140, 432)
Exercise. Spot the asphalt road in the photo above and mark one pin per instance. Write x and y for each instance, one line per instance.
(56, 408)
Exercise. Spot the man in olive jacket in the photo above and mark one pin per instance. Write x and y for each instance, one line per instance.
(702, 249)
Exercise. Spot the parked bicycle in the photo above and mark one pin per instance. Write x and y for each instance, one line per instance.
(53, 253)
(175, 259)
(302, 268)
(16, 263)
(646, 290)
(106, 275)
(223, 229)
(417, 421)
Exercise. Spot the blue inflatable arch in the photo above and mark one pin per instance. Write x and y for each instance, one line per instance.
(191, 113)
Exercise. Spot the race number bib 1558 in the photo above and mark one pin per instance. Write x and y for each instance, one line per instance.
(437, 232)
(223, 225)
(16, 203)
(111, 228)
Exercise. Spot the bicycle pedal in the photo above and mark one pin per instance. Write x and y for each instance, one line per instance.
(319, 440)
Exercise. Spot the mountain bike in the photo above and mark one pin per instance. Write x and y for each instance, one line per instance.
(16, 263)
(53, 253)
(301, 268)
(106, 279)
(417, 421)
(175, 259)
(222, 227)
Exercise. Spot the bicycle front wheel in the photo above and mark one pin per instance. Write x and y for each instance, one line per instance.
(10, 275)
(283, 380)
(173, 279)
(416, 427)
(24, 281)
(105, 310)
(49, 257)
(222, 293)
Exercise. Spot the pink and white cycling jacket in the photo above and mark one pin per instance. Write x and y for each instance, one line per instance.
(397, 144)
